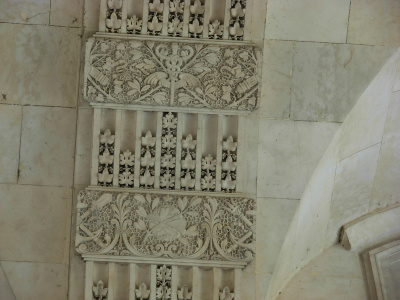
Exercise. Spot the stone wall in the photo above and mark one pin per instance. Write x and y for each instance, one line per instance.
(319, 57)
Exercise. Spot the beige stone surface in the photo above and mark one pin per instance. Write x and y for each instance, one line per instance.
(83, 152)
(32, 71)
(307, 20)
(289, 151)
(273, 220)
(328, 79)
(35, 223)
(25, 11)
(374, 22)
(314, 208)
(66, 13)
(334, 274)
(6, 292)
(386, 188)
(31, 281)
(10, 124)
(47, 146)
(396, 85)
(277, 79)
(91, 15)
(364, 125)
(352, 189)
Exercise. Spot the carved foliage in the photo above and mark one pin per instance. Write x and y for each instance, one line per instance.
(174, 226)
(188, 163)
(163, 282)
(106, 158)
(168, 151)
(236, 24)
(175, 17)
(229, 164)
(126, 169)
(147, 161)
(171, 74)
(99, 291)
(208, 164)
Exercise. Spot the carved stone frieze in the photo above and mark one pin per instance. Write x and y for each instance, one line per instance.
(139, 72)
(140, 224)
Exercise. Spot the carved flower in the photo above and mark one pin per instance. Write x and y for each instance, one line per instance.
(147, 160)
(167, 223)
(237, 11)
(236, 30)
(148, 140)
(156, 6)
(147, 179)
(187, 181)
(229, 164)
(176, 6)
(163, 292)
(169, 121)
(184, 294)
(188, 143)
(229, 144)
(154, 25)
(228, 183)
(208, 182)
(142, 293)
(134, 23)
(226, 294)
(175, 26)
(188, 163)
(197, 8)
(215, 29)
(195, 27)
(163, 273)
(114, 4)
(107, 137)
(168, 161)
(105, 176)
(106, 158)
(99, 291)
(127, 158)
(208, 163)
(113, 22)
(167, 180)
(168, 141)
(126, 178)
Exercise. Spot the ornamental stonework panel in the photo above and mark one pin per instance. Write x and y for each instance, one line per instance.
(140, 72)
(159, 225)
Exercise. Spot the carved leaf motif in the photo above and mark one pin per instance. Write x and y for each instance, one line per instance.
(114, 4)
(236, 30)
(184, 99)
(229, 144)
(113, 22)
(107, 137)
(105, 176)
(147, 179)
(106, 158)
(160, 97)
(237, 11)
(139, 198)
(192, 230)
(184, 294)
(195, 201)
(142, 293)
(226, 294)
(134, 23)
(187, 181)
(142, 212)
(188, 142)
(147, 160)
(229, 164)
(148, 139)
(197, 8)
(135, 87)
(126, 178)
(99, 291)
(155, 25)
(140, 224)
(156, 6)
(176, 6)
(188, 163)
(136, 54)
(155, 203)
(182, 203)
(195, 27)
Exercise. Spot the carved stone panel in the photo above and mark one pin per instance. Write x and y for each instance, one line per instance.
(181, 75)
(140, 224)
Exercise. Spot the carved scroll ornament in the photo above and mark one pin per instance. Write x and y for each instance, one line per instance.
(171, 74)
(160, 225)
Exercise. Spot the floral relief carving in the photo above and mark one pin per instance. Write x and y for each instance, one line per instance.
(168, 151)
(196, 19)
(208, 164)
(147, 160)
(158, 225)
(171, 74)
(229, 164)
(114, 16)
(126, 169)
(184, 294)
(188, 163)
(175, 19)
(99, 291)
(236, 25)
(163, 282)
(106, 158)
(226, 294)
(142, 293)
